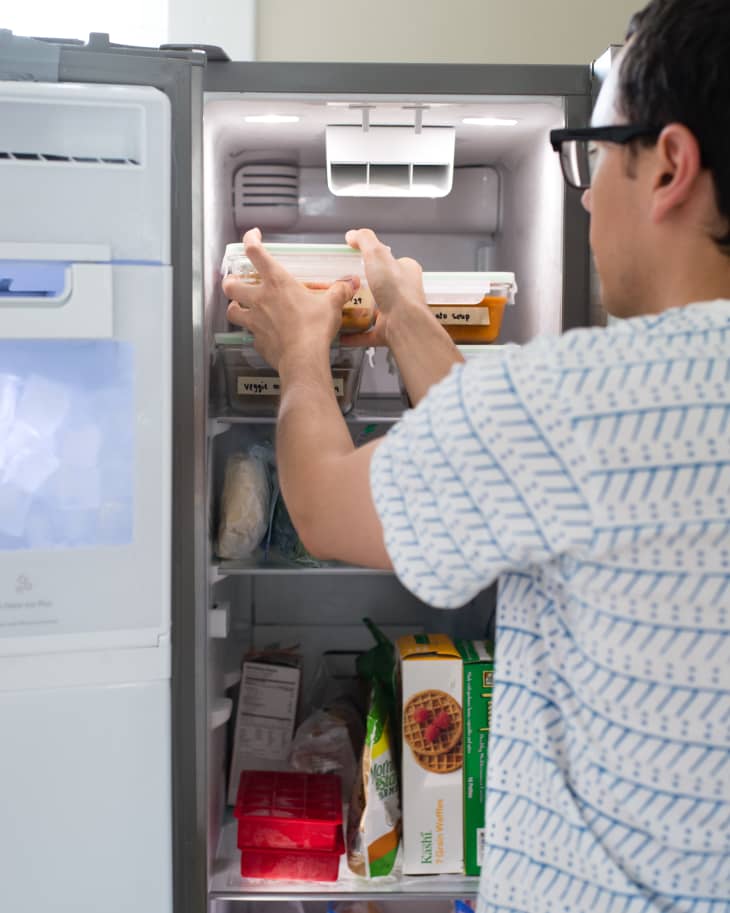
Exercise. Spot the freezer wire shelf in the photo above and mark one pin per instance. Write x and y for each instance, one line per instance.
(275, 563)
(227, 884)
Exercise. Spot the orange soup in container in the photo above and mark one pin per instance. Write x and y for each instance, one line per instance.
(470, 306)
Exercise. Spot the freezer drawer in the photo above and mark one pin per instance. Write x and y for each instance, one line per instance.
(86, 807)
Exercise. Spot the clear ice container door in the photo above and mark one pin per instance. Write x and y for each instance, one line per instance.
(86, 474)
(66, 444)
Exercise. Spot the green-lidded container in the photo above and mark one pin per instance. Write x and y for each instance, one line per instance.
(253, 387)
(478, 670)
(317, 266)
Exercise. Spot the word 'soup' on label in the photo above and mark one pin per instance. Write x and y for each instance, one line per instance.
(451, 316)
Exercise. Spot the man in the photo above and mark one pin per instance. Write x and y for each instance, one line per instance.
(590, 474)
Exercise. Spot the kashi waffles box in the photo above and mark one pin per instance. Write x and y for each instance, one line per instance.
(432, 760)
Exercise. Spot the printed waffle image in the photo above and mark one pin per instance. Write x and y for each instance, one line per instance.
(432, 725)
(445, 763)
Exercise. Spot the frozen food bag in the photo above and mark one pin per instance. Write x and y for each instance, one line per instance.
(373, 828)
(244, 508)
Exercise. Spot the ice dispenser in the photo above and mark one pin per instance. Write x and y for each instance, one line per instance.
(85, 366)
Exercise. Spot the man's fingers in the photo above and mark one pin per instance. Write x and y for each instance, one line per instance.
(238, 315)
(413, 267)
(340, 292)
(367, 242)
(244, 291)
(375, 336)
(266, 266)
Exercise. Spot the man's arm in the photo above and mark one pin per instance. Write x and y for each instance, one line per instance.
(325, 479)
(422, 348)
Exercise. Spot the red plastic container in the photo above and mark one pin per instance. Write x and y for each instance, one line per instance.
(289, 811)
(292, 865)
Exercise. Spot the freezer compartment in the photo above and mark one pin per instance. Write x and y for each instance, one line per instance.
(255, 511)
(506, 210)
(320, 613)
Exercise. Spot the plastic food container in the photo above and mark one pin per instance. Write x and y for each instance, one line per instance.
(292, 865)
(470, 306)
(253, 387)
(289, 811)
(317, 266)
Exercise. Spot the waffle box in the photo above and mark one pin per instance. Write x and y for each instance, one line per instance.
(478, 657)
(430, 669)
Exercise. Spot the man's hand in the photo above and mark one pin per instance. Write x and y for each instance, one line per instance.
(397, 286)
(422, 348)
(285, 317)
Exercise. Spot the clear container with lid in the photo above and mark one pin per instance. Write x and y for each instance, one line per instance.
(317, 266)
(253, 386)
(470, 306)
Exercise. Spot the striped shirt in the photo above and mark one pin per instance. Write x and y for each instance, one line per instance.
(590, 475)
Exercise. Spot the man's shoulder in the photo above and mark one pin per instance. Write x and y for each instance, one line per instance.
(678, 333)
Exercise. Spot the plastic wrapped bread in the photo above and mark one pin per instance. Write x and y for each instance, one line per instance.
(245, 503)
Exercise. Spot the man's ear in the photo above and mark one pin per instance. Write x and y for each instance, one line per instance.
(677, 164)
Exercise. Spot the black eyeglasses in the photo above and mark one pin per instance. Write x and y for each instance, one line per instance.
(577, 148)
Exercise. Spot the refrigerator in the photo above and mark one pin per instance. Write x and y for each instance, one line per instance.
(124, 172)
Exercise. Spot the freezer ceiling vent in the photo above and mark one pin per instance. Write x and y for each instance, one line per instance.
(388, 161)
(266, 195)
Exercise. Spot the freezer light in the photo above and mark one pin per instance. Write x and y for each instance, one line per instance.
(271, 119)
(489, 121)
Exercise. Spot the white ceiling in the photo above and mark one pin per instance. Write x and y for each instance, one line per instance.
(304, 142)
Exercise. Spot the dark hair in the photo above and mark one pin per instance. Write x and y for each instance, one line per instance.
(677, 70)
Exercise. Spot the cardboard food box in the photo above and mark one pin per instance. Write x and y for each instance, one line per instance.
(432, 775)
(267, 709)
(478, 659)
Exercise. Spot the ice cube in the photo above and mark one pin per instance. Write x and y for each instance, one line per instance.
(29, 459)
(14, 507)
(43, 404)
(75, 488)
(79, 446)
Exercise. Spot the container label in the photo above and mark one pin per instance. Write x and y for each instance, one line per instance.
(271, 386)
(452, 315)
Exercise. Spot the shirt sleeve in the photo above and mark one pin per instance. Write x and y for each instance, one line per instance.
(483, 477)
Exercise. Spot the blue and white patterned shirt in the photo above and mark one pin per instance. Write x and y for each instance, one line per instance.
(591, 474)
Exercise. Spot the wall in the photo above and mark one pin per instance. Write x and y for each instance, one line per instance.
(441, 31)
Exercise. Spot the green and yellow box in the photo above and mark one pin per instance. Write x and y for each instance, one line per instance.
(478, 669)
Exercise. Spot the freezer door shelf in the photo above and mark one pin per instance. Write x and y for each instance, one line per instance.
(228, 885)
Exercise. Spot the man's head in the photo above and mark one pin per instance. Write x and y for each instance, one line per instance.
(660, 203)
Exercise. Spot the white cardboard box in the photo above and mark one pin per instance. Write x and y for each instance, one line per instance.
(267, 709)
(432, 778)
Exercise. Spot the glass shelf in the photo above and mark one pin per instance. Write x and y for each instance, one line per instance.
(227, 884)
